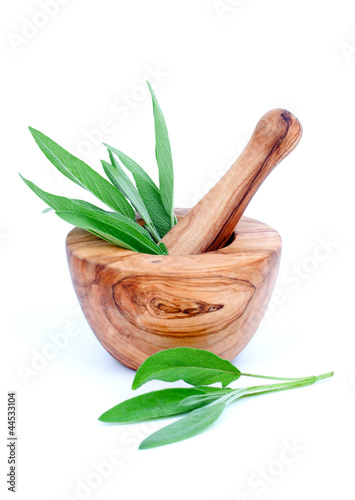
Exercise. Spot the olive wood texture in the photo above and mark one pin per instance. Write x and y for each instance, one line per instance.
(138, 304)
(210, 223)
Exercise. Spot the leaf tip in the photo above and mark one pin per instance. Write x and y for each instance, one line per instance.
(151, 90)
(135, 385)
(26, 181)
(144, 445)
(33, 131)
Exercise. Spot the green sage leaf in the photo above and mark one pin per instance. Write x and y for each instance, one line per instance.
(56, 202)
(125, 235)
(83, 175)
(164, 158)
(62, 204)
(120, 179)
(161, 403)
(194, 366)
(188, 426)
(148, 191)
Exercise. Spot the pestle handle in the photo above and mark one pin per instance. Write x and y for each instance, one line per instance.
(210, 223)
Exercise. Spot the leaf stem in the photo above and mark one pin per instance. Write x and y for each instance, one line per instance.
(271, 378)
(265, 389)
(319, 377)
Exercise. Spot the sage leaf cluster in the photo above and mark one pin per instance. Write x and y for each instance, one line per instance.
(198, 406)
(123, 197)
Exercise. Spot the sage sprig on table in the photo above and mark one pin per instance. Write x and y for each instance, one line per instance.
(201, 404)
(124, 197)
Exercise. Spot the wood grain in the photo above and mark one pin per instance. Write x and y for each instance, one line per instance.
(211, 222)
(138, 304)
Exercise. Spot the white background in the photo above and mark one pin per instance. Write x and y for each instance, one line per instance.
(220, 67)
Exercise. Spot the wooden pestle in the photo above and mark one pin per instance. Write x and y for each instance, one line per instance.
(210, 223)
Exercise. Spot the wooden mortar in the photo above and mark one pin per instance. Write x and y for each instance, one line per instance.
(138, 304)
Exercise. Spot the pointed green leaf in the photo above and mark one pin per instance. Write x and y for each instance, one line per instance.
(120, 179)
(61, 203)
(83, 175)
(161, 403)
(194, 366)
(148, 191)
(56, 202)
(164, 158)
(111, 226)
(140, 176)
(125, 235)
(188, 426)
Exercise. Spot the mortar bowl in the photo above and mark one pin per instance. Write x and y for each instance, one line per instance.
(138, 304)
